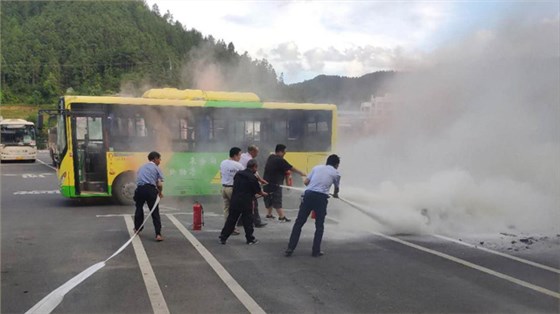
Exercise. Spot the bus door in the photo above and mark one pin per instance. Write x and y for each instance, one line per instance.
(90, 148)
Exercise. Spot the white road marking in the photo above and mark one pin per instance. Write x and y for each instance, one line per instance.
(34, 175)
(230, 282)
(468, 264)
(152, 285)
(44, 163)
(36, 192)
(521, 260)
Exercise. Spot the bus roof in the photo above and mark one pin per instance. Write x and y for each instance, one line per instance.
(16, 121)
(195, 98)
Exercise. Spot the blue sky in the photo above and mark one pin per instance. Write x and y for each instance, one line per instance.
(303, 39)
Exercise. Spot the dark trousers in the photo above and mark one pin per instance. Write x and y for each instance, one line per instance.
(246, 217)
(311, 201)
(256, 216)
(146, 194)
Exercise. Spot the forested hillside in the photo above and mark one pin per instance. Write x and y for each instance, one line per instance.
(347, 92)
(51, 48)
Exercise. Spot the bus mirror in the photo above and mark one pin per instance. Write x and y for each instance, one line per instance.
(40, 121)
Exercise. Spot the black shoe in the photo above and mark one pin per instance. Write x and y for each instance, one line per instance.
(271, 216)
(284, 219)
(222, 240)
(262, 224)
(318, 254)
(254, 241)
(288, 253)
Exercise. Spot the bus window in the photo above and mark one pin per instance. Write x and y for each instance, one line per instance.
(219, 130)
(140, 129)
(204, 129)
(61, 134)
(183, 129)
(94, 129)
(81, 128)
(295, 129)
(252, 131)
(279, 129)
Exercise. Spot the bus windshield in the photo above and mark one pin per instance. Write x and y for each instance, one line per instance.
(14, 134)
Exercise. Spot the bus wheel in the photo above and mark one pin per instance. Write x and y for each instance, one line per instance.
(123, 189)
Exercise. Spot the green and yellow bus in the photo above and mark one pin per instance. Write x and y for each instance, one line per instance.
(102, 140)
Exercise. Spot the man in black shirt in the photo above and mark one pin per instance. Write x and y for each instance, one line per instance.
(245, 186)
(274, 172)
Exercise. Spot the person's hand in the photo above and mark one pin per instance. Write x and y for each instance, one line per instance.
(335, 194)
(264, 193)
(160, 194)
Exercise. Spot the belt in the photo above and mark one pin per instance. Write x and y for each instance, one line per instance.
(147, 184)
(227, 186)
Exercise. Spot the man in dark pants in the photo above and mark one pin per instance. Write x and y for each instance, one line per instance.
(149, 181)
(245, 186)
(252, 153)
(315, 198)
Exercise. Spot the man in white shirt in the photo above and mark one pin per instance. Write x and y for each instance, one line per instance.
(228, 169)
(318, 183)
(252, 153)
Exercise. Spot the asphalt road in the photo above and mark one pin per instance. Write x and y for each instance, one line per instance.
(47, 240)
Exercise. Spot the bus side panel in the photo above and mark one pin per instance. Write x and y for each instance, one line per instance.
(184, 173)
(66, 176)
(305, 161)
(118, 163)
(192, 173)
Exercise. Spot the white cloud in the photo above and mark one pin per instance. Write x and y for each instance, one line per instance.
(349, 38)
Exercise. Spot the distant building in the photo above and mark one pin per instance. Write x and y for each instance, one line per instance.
(373, 117)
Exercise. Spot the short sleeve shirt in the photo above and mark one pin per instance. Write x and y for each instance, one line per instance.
(149, 173)
(275, 169)
(322, 177)
(245, 157)
(228, 169)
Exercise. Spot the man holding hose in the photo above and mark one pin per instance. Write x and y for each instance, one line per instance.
(318, 183)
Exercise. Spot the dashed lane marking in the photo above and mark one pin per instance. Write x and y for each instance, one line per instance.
(36, 192)
(152, 286)
(230, 282)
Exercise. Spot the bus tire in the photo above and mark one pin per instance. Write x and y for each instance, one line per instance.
(123, 188)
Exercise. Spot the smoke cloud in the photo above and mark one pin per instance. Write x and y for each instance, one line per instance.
(473, 142)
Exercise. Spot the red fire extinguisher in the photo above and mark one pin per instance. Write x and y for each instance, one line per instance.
(198, 216)
(288, 176)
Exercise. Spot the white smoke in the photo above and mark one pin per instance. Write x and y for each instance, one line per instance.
(474, 138)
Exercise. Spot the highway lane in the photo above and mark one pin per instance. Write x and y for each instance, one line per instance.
(46, 240)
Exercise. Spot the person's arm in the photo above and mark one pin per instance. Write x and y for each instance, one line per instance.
(160, 188)
(336, 190)
(336, 186)
(301, 173)
(306, 181)
(258, 188)
(159, 183)
(261, 180)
